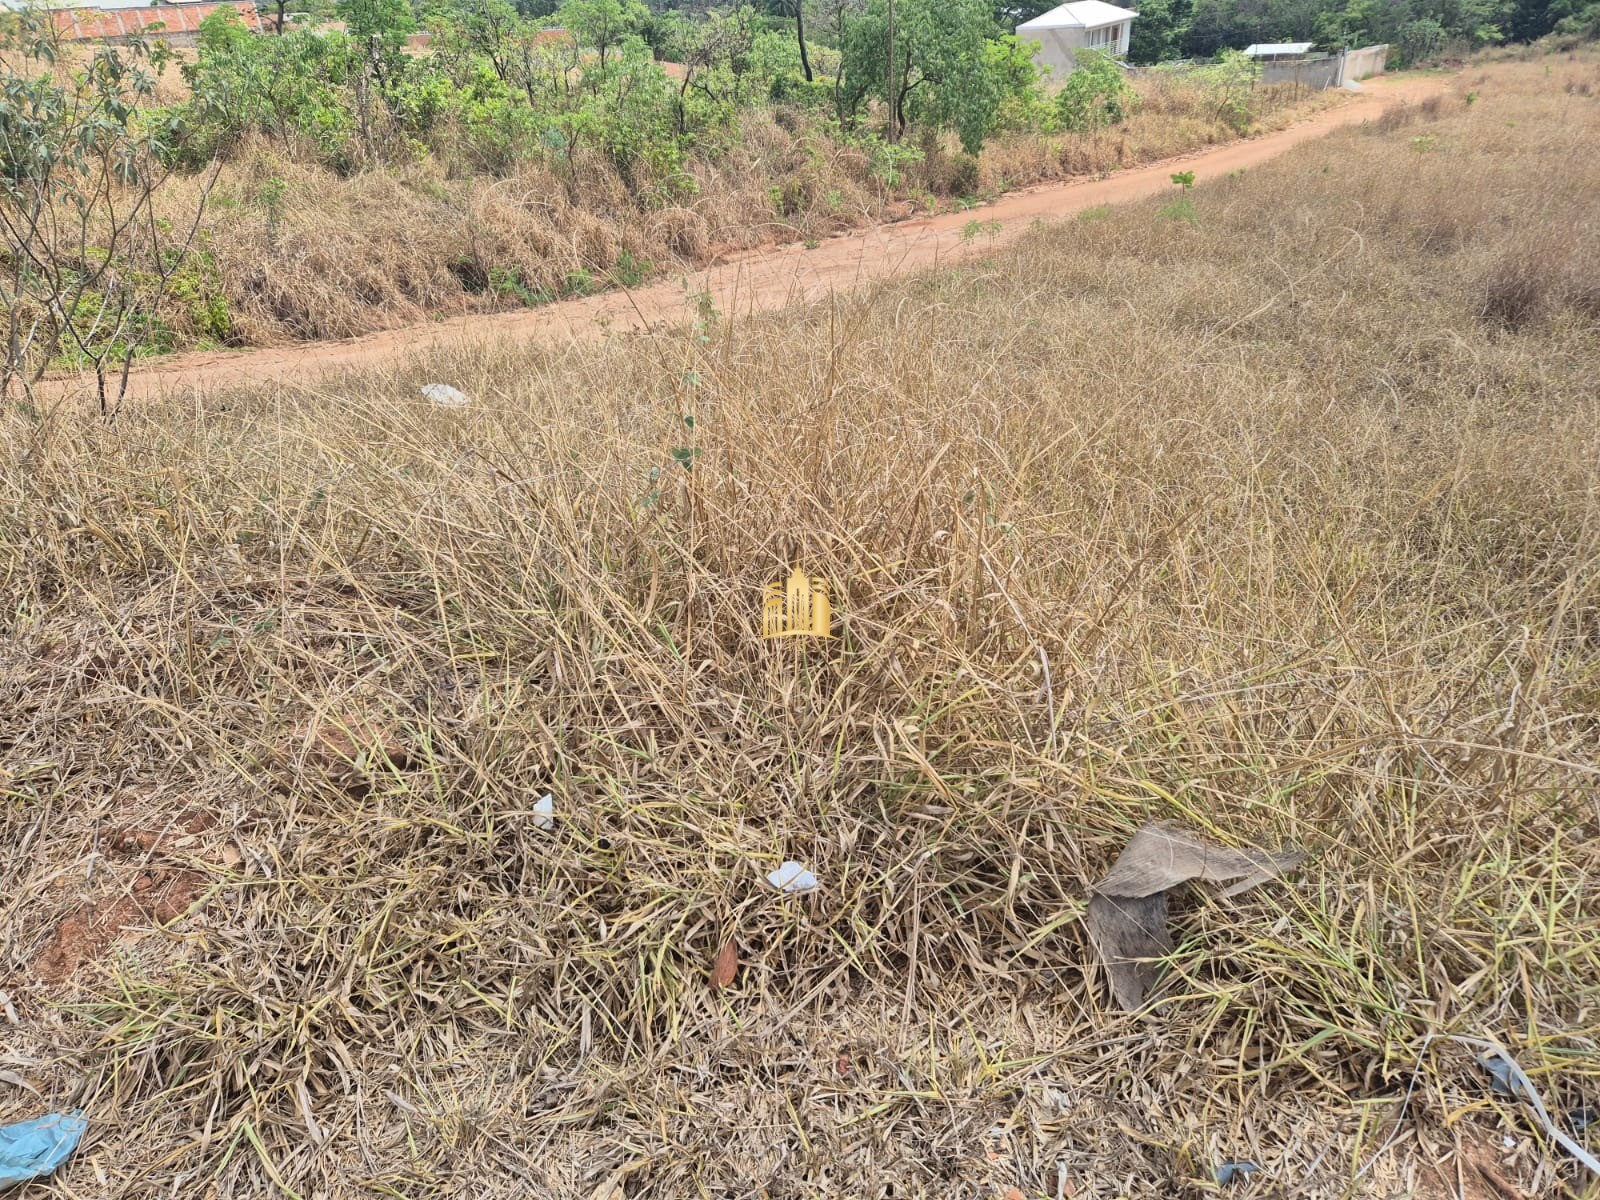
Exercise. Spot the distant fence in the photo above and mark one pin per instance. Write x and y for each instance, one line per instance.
(1314, 73)
(1327, 70)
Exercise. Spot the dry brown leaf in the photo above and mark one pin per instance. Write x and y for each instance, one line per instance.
(1127, 915)
(727, 965)
(1163, 855)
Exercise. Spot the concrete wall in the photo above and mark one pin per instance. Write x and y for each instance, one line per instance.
(1371, 60)
(1056, 49)
(183, 41)
(1323, 71)
(1314, 73)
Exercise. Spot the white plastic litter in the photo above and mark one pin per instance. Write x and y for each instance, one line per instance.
(791, 878)
(1507, 1078)
(544, 813)
(443, 393)
(1506, 1070)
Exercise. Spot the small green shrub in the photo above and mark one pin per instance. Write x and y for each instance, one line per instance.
(630, 271)
(506, 282)
(1095, 95)
(1180, 210)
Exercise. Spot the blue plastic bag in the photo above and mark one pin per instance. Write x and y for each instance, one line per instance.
(1235, 1172)
(33, 1149)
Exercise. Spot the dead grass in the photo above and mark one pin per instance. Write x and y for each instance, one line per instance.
(1256, 521)
(302, 253)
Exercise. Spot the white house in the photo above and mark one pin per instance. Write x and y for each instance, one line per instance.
(1080, 25)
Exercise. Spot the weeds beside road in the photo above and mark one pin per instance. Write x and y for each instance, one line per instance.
(761, 280)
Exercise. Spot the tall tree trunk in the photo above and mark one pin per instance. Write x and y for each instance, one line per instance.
(800, 32)
(838, 77)
(888, 92)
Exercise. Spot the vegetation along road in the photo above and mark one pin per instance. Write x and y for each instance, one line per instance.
(769, 278)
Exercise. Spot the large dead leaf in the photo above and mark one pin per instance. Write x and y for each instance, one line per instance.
(1128, 908)
(726, 966)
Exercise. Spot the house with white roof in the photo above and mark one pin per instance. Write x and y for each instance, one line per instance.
(1079, 25)
(1278, 51)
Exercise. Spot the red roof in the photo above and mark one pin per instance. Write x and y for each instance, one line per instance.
(88, 24)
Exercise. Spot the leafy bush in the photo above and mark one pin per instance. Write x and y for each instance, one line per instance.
(287, 88)
(1230, 82)
(1421, 40)
(1096, 94)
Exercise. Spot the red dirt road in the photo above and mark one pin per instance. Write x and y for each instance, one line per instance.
(771, 278)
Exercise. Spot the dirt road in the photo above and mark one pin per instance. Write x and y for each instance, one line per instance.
(771, 278)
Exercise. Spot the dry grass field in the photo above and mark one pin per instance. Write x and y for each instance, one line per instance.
(1273, 509)
(300, 252)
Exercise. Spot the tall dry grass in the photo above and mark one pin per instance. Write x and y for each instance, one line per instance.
(1250, 512)
(299, 252)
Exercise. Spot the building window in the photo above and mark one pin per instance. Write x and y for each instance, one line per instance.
(1108, 38)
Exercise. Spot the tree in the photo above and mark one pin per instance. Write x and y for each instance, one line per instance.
(941, 74)
(489, 28)
(1421, 40)
(796, 9)
(292, 88)
(379, 27)
(1211, 28)
(1359, 22)
(1008, 14)
(1532, 19)
(1584, 23)
(1155, 34)
(1480, 22)
(716, 56)
(603, 25)
(384, 21)
(87, 261)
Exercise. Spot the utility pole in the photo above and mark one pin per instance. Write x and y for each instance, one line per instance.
(894, 125)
